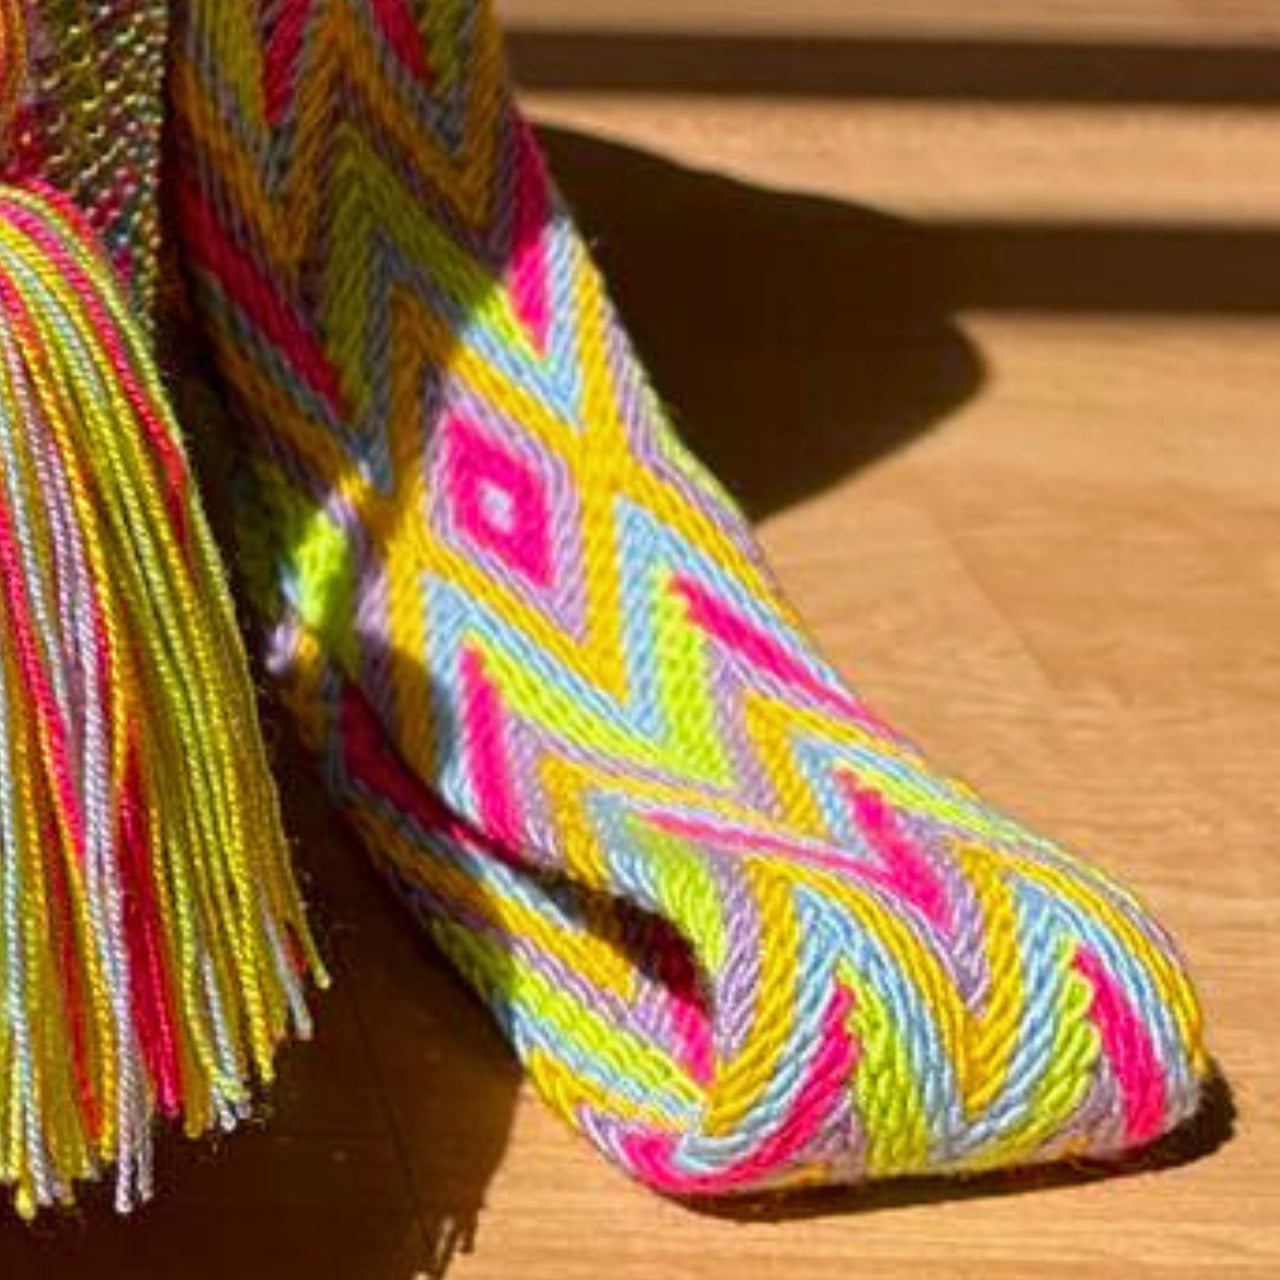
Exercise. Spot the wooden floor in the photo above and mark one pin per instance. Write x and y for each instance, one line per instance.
(978, 309)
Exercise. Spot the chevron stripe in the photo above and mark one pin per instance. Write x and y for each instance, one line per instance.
(739, 930)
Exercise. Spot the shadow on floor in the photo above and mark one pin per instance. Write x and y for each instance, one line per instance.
(907, 68)
(445, 1078)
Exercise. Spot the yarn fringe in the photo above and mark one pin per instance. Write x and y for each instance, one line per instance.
(153, 947)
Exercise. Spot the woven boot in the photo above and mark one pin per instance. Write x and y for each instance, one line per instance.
(740, 932)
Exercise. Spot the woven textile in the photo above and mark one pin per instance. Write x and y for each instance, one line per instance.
(740, 932)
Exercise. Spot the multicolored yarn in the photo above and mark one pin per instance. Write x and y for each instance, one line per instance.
(152, 942)
(740, 932)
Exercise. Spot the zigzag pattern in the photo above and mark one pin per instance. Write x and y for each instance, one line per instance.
(741, 933)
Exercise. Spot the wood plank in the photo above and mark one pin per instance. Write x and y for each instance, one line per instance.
(1029, 501)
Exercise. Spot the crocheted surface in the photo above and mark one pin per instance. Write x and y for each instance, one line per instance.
(740, 932)
(89, 111)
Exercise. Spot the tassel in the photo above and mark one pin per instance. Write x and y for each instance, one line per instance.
(153, 947)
